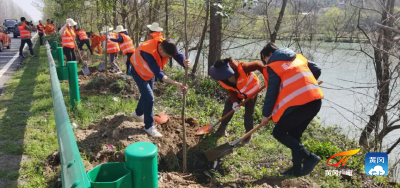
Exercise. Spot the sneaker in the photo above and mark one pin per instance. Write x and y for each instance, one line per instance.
(309, 164)
(21, 56)
(138, 118)
(118, 72)
(152, 131)
(33, 55)
(124, 76)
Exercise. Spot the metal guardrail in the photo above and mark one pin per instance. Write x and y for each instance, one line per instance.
(73, 174)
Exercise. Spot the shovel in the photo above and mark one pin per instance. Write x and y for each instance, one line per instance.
(85, 68)
(225, 149)
(208, 128)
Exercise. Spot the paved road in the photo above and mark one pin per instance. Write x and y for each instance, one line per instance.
(9, 61)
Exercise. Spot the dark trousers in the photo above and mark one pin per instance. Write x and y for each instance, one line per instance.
(146, 101)
(248, 114)
(23, 42)
(290, 128)
(128, 62)
(41, 38)
(69, 53)
(87, 42)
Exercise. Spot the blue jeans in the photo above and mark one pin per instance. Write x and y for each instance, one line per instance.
(146, 101)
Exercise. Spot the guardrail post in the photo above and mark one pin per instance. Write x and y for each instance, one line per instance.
(73, 83)
(62, 70)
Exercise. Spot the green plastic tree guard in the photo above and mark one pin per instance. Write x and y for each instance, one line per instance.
(73, 83)
(141, 160)
(110, 175)
(60, 56)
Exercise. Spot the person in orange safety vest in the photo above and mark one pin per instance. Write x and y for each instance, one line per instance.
(147, 64)
(95, 40)
(155, 31)
(25, 29)
(68, 39)
(82, 37)
(49, 28)
(292, 100)
(112, 49)
(40, 29)
(239, 79)
(125, 44)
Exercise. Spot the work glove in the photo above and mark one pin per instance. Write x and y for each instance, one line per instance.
(235, 106)
(108, 37)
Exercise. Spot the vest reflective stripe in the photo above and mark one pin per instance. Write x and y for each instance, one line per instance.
(41, 28)
(147, 72)
(295, 78)
(23, 32)
(68, 38)
(82, 35)
(292, 96)
(246, 85)
(140, 64)
(298, 85)
(112, 47)
(127, 45)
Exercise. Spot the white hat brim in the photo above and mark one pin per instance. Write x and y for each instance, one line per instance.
(117, 31)
(154, 29)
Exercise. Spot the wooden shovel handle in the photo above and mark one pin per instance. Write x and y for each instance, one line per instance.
(242, 103)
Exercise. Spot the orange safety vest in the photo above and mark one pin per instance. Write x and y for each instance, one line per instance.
(127, 45)
(41, 27)
(82, 34)
(156, 35)
(49, 29)
(265, 75)
(112, 47)
(140, 65)
(68, 38)
(298, 85)
(246, 85)
(24, 33)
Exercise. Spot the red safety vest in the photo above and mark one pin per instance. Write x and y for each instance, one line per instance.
(140, 65)
(41, 28)
(127, 45)
(246, 84)
(82, 35)
(68, 38)
(298, 85)
(23, 32)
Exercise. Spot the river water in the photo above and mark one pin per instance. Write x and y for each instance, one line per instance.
(348, 76)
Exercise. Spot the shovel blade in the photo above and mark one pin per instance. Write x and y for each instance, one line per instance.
(85, 70)
(203, 130)
(161, 118)
(101, 67)
(218, 152)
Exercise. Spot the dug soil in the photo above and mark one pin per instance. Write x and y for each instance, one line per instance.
(104, 141)
(100, 83)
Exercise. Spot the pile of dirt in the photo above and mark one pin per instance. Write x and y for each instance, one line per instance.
(176, 180)
(101, 83)
(106, 140)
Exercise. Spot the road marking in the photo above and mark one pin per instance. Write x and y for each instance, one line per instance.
(5, 68)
